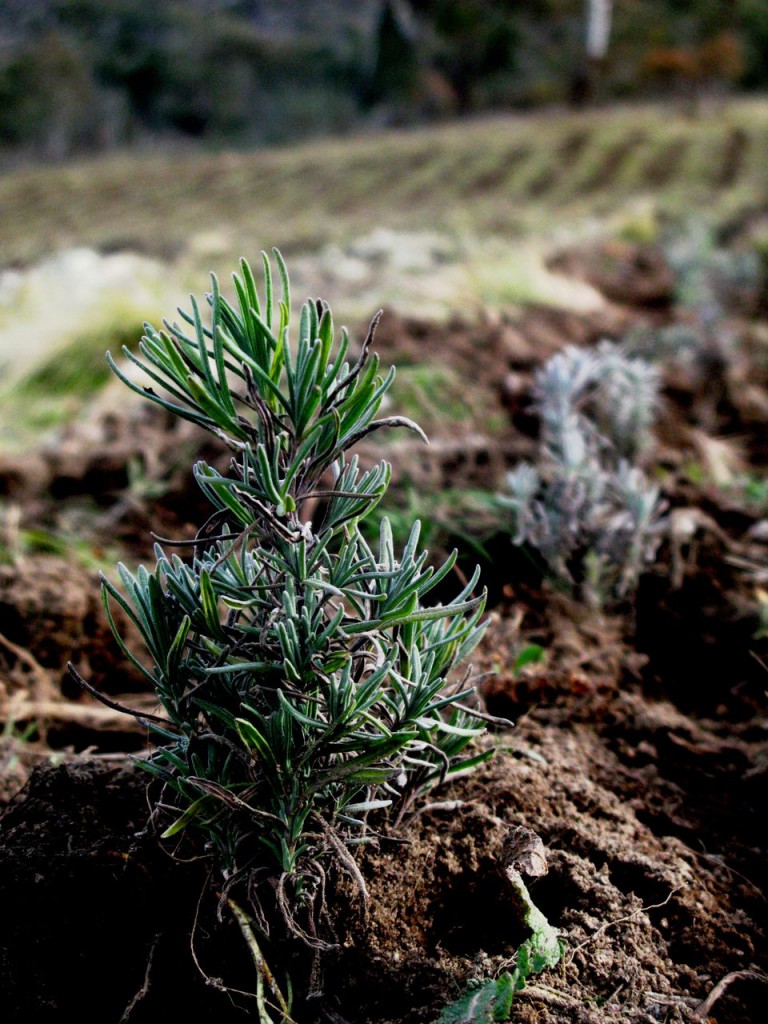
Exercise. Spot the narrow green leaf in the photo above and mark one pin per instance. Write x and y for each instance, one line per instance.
(218, 349)
(177, 647)
(210, 604)
(254, 740)
(268, 290)
(283, 271)
(267, 479)
(471, 762)
(189, 815)
(454, 730)
(298, 716)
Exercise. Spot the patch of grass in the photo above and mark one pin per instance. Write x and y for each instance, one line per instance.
(756, 492)
(55, 390)
(434, 395)
(453, 514)
(640, 225)
(500, 275)
(18, 543)
(79, 368)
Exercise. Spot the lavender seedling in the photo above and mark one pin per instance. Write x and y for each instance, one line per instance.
(590, 514)
(303, 678)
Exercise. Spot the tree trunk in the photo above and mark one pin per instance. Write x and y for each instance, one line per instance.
(587, 78)
(598, 29)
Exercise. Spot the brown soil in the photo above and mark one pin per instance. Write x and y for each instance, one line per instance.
(624, 272)
(640, 753)
(574, 145)
(664, 164)
(501, 171)
(613, 162)
(735, 151)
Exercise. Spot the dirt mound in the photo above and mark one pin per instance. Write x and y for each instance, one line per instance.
(625, 272)
(654, 905)
(639, 756)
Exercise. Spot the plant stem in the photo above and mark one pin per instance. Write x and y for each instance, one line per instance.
(262, 967)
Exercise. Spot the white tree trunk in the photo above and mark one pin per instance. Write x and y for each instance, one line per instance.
(598, 28)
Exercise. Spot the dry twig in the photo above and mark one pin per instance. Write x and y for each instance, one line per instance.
(619, 920)
(705, 1007)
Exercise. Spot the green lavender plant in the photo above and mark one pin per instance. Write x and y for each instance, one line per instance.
(304, 680)
(591, 515)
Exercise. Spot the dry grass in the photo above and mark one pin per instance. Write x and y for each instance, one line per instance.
(503, 176)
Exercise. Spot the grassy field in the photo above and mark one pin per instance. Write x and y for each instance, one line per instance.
(455, 218)
(505, 176)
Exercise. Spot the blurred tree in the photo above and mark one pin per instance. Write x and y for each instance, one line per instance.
(589, 71)
(78, 74)
(598, 29)
(47, 97)
(131, 46)
(694, 72)
(599, 14)
(471, 43)
(396, 66)
(753, 25)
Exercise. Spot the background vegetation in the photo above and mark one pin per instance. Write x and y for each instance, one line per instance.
(91, 75)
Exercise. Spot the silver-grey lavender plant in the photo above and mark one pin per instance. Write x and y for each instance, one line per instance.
(585, 508)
